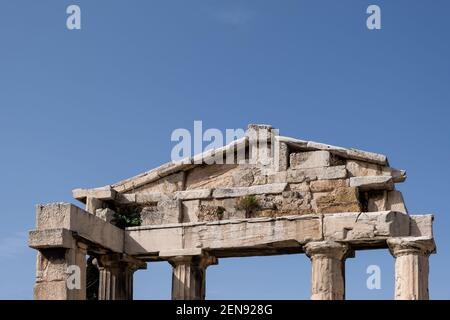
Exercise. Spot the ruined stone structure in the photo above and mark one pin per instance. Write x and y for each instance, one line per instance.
(294, 196)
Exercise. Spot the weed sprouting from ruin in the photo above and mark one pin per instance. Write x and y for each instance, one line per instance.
(220, 211)
(123, 219)
(249, 204)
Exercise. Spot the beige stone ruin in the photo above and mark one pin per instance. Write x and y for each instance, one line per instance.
(287, 196)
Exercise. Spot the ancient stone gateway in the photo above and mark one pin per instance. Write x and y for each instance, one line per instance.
(279, 195)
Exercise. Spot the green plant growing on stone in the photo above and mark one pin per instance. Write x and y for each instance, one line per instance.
(123, 220)
(249, 204)
(220, 211)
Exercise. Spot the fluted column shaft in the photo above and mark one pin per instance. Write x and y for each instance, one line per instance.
(411, 266)
(189, 276)
(327, 263)
(116, 276)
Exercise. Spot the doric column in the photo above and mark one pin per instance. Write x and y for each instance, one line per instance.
(116, 276)
(189, 276)
(60, 269)
(411, 266)
(328, 275)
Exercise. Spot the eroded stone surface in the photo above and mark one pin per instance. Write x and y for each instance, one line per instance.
(70, 217)
(372, 182)
(342, 199)
(312, 159)
(328, 185)
(365, 226)
(242, 191)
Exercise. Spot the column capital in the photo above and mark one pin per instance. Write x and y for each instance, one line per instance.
(202, 261)
(330, 249)
(411, 245)
(119, 260)
(82, 246)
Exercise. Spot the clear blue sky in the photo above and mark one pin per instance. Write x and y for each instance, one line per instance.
(90, 107)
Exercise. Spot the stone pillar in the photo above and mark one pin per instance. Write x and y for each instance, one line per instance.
(188, 276)
(260, 144)
(61, 273)
(116, 276)
(411, 266)
(328, 275)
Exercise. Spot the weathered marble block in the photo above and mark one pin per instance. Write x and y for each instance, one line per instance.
(312, 159)
(365, 226)
(70, 217)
